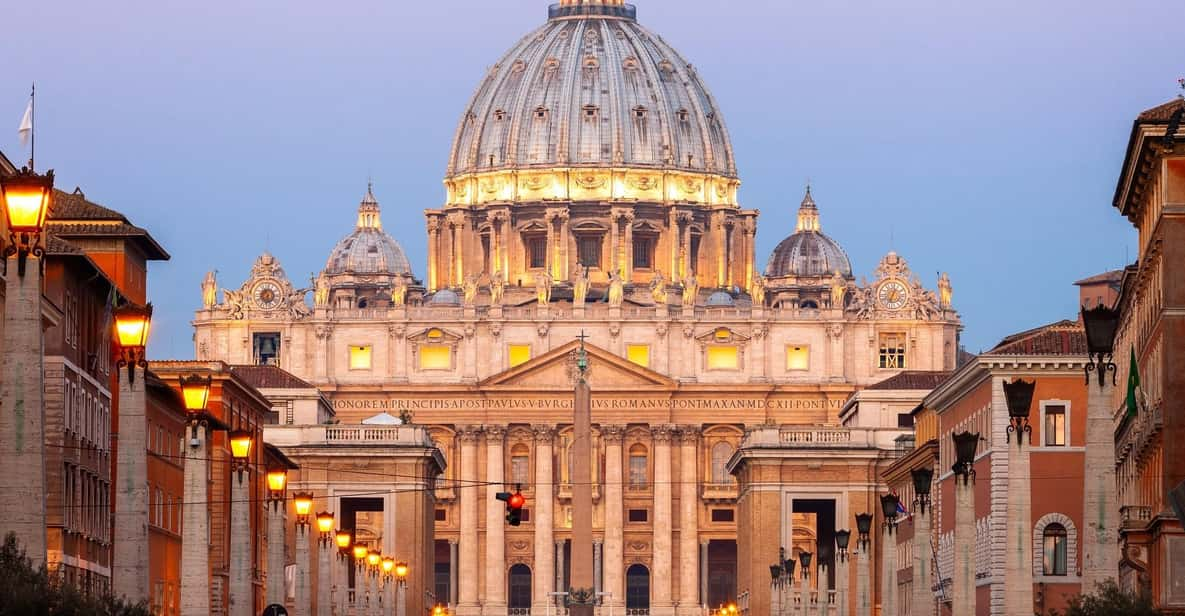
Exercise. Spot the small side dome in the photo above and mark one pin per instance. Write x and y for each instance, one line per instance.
(368, 250)
(719, 299)
(445, 297)
(808, 252)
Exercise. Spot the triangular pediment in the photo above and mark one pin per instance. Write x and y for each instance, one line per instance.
(553, 370)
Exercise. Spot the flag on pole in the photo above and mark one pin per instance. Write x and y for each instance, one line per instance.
(26, 124)
(1133, 384)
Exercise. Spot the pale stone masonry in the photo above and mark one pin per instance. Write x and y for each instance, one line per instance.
(660, 591)
(241, 575)
(495, 574)
(923, 597)
(22, 420)
(130, 541)
(303, 604)
(544, 531)
(888, 571)
(1100, 511)
(276, 518)
(863, 584)
(963, 576)
(689, 602)
(195, 531)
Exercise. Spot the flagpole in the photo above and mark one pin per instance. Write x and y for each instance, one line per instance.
(32, 125)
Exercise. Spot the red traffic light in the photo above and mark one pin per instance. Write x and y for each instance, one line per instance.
(516, 500)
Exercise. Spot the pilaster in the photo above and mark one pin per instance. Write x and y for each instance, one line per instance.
(467, 495)
(543, 574)
(130, 541)
(1100, 511)
(241, 575)
(614, 565)
(660, 589)
(495, 578)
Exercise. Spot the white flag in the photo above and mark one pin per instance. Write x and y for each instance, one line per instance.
(26, 124)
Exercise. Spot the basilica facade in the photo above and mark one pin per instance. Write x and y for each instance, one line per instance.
(591, 193)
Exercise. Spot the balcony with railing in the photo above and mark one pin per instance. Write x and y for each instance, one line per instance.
(347, 434)
(1134, 517)
(799, 437)
(565, 492)
(719, 491)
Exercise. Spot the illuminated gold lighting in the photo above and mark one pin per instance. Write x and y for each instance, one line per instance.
(519, 354)
(388, 565)
(798, 357)
(435, 334)
(359, 357)
(325, 522)
(195, 392)
(373, 558)
(722, 333)
(401, 569)
(639, 354)
(303, 503)
(26, 198)
(621, 183)
(342, 538)
(240, 444)
(132, 323)
(723, 358)
(360, 552)
(277, 479)
(435, 357)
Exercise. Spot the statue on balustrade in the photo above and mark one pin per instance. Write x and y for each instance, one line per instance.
(616, 289)
(543, 284)
(658, 288)
(497, 288)
(210, 290)
(580, 286)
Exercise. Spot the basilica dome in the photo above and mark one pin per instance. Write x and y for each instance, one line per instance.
(808, 252)
(592, 88)
(368, 250)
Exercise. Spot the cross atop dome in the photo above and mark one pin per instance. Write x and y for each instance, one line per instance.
(808, 213)
(368, 210)
(589, 8)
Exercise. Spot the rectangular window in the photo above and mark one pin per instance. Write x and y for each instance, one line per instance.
(441, 515)
(1055, 425)
(639, 515)
(904, 420)
(723, 515)
(435, 357)
(693, 254)
(639, 354)
(520, 470)
(519, 354)
(637, 470)
(798, 357)
(359, 357)
(267, 349)
(643, 252)
(537, 251)
(892, 350)
(589, 250)
(525, 515)
(723, 358)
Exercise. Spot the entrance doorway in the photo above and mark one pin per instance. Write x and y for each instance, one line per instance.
(819, 514)
(722, 572)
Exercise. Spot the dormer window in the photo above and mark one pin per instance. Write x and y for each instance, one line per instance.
(590, 112)
(682, 115)
(541, 113)
(499, 115)
(640, 112)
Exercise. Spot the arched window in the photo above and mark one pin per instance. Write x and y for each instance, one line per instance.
(518, 595)
(638, 466)
(520, 465)
(721, 452)
(809, 305)
(1054, 552)
(637, 588)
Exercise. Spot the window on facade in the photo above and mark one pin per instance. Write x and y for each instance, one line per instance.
(723, 357)
(589, 250)
(519, 354)
(904, 420)
(442, 515)
(1055, 425)
(520, 465)
(536, 251)
(639, 515)
(693, 254)
(639, 354)
(798, 357)
(435, 357)
(637, 587)
(485, 252)
(721, 452)
(519, 581)
(723, 515)
(443, 578)
(643, 252)
(359, 357)
(267, 349)
(1054, 552)
(892, 350)
(638, 466)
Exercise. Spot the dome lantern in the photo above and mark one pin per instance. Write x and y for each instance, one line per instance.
(808, 252)
(368, 250)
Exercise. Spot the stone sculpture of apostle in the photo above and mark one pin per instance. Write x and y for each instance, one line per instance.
(658, 288)
(543, 288)
(690, 290)
(209, 290)
(616, 289)
(497, 288)
(580, 286)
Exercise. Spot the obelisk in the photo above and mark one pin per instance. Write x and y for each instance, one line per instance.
(580, 585)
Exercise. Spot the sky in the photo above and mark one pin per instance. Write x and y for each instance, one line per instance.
(982, 139)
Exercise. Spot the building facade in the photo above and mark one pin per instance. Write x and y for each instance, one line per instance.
(1151, 194)
(590, 191)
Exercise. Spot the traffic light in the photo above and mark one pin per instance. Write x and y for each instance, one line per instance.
(514, 506)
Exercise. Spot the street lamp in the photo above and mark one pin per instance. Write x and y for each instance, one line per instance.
(27, 197)
(360, 552)
(1019, 395)
(277, 480)
(1100, 323)
(388, 565)
(303, 503)
(923, 478)
(373, 558)
(965, 444)
(889, 503)
(343, 541)
(195, 393)
(863, 527)
(325, 525)
(132, 323)
(401, 570)
(805, 559)
(842, 537)
(240, 449)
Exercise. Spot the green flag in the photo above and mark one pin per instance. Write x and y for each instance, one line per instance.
(1133, 383)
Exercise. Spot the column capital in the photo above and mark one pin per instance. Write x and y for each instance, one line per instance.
(662, 433)
(689, 435)
(544, 433)
(468, 434)
(612, 434)
(495, 434)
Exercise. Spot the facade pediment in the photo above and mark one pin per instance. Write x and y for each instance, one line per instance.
(553, 370)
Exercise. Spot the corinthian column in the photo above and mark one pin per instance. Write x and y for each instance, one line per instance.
(688, 522)
(458, 222)
(467, 494)
(660, 591)
(495, 587)
(614, 566)
(543, 577)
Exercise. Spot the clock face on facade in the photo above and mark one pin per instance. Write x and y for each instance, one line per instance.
(267, 295)
(892, 294)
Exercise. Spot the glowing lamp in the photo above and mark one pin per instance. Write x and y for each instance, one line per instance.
(343, 539)
(732, 608)
(303, 503)
(388, 565)
(277, 479)
(517, 500)
(240, 445)
(325, 522)
(360, 552)
(195, 392)
(27, 196)
(131, 326)
(373, 558)
(401, 570)
(438, 610)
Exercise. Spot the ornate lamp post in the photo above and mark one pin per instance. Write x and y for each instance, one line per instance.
(963, 577)
(1018, 568)
(277, 482)
(241, 600)
(923, 479)
(195, 552)
(842, 538)
(401, 571)
(788, 566)
(360, 552)
(374, 559)
(27, 198)
(889, 504)
(302, 505)
(804, 597)
(342, 574)
(1100, 555)
(325, 544)
(863, 568)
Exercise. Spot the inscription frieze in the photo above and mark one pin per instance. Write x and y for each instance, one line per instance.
(603, 404)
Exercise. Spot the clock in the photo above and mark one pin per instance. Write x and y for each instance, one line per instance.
(267, 295)
(892, 294)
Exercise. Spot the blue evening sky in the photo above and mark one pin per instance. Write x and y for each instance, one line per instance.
(979, 138)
